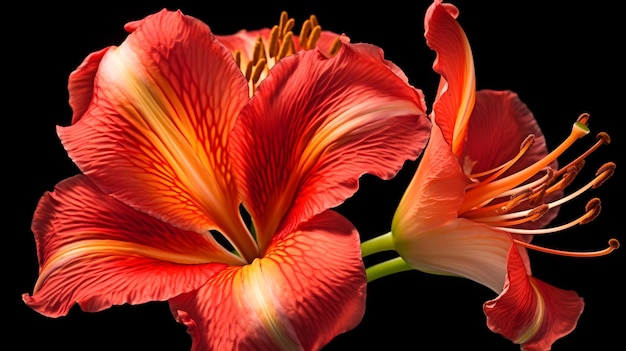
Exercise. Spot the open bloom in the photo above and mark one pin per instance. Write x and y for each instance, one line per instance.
(213, 189)
(485, 185)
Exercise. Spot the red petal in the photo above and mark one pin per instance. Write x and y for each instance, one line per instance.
(435, 193)
(531, 312)
(81, 84)
(315, 125)
(97, 252)
(455, 64)
(163, 106)
(309, 287)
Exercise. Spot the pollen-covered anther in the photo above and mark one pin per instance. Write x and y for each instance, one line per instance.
(592, 211)
(604, 172)
(538, 212)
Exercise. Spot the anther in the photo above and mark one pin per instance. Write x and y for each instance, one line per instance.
(273, 41)
(593, 211)
(604, 137)
(257, 70)
(315, 36)
(286, 47)
(305, 31)
(538, 212)
(334, 48)
(604, 172)
(282, 22)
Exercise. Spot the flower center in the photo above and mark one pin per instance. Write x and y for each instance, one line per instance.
(281, 43)
(506, 202)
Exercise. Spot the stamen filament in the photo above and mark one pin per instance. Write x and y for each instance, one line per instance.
(592, 208)
(613, 245)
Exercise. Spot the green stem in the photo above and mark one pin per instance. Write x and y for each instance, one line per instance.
(380, 243)
(394, 265)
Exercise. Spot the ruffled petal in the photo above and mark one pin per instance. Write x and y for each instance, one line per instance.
(314, 126)
(531, 312)
(309, 287)
(81, 84)
(163, 106)
(95, 251)
(454, 62)
(499, 124)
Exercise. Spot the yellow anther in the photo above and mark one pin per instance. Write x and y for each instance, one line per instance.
(288, 26)
(257, 70)
(286, 46)
(305, 31)
(315, 36)
(273, 44)
(283, 22)
(334, 48)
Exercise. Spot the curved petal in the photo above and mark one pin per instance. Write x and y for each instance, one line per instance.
(309, 287)
(434, 194)
(531, 312)
(81, 83)
(461, 248)
(314, 126)
(499, 124)
(95, 251)
(163, 106)
(454, 62)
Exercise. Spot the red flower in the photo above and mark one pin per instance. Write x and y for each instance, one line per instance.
(213, 190)
(477, 197)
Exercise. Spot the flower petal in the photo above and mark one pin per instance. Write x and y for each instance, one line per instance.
(314, 126)
(435, 192)
(531, 312)
(455, 64)
(309, 287)
(163, 106)
(460, 248)
(499, 124)
(95, 251)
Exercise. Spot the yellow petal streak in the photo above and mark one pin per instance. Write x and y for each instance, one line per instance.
(261, 300)
(85, 249)
(205, 176)
(534, 327)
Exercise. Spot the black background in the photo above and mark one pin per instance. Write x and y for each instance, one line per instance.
(561, 59)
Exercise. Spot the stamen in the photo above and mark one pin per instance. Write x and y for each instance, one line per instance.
(257, 70)
(602, 139)
(486, 191)
(315, 36)
(273, 42)
(305, 31)
(286, 46)
(613, 245)
(592, 211)
(282, 22)
(521, 217)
